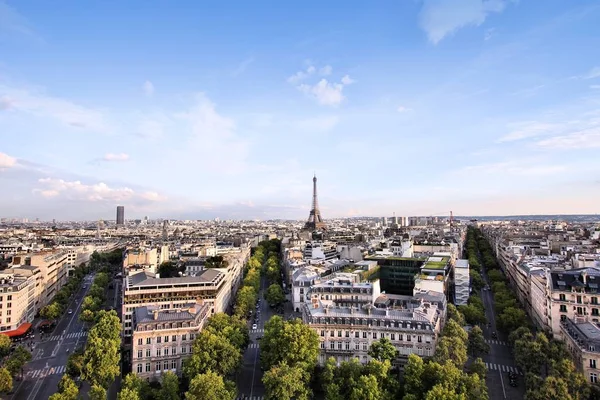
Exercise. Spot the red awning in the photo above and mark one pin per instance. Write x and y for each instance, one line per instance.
(21, 330)
(44, 323)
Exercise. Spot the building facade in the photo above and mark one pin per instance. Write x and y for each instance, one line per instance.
(462, 282)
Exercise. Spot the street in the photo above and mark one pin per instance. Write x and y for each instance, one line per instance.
(249, 378)
(500, 360)
(51, 352)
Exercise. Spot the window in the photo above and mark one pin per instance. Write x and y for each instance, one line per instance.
(594, 300)
(322, 332)
(339, 345)
(183, 349)
(347, 334)
(332, 345)
(184, 337)
(174, 338)
(357, 346)
(563, 308)
(174, 351)
(8, 312)
(173, 364)
(580, 310)
(166, 365)
(357, 334)
(593, 377)
(157, 367)
(147, 367)
(592, 363)
(322, 345)
(166, 339)
(140, 353)
(400, 337)
(159, 339)
(408, 338)
(166, 351)
(562, 297)
(191, 336)
(393, 336)
(419, 339)
(9, 305)
(595, 311)
(148, 340)
(158, 352)
(365, 347)
(563, 317)
(147, 352)
(578, 299)
(9, 298)
(139, 368)
(332, 334)
(339, 333)
(347, 345)
(364, 335)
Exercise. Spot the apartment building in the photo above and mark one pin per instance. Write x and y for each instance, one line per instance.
(145, 289)
(17, 300)
(163, 338)
(145, 258)
(349, 316)
(583, 342)
(573, 294)
(53, 269)
(462, 282)
(319, 251)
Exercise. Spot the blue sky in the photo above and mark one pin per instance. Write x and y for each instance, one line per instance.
(193, 109)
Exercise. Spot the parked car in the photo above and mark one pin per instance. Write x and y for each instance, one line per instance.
(254, 326)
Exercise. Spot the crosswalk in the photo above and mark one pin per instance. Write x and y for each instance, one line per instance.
(253, 346)
(251, 398)
(502, 368)
(36, 373)
(499, 342)
(72, 335)
(257, 330)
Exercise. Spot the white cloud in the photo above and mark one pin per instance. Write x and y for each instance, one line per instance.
(402, 109)
(7, 161)
(301, 75)
(241, 68)
(326, 70)
(328, 94)
(99, 192)
(528, 129)
(116, 157)
(39, 104)
(148, 88)
(440, 18)
(593, 73)
(587, 139)
(346, 80)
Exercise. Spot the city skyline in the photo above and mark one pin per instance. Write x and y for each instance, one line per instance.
(191, 112)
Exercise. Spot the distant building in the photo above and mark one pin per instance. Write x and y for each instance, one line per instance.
(315, 220)
(120, 215)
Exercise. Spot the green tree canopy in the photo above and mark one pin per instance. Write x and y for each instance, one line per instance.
(382, 350)
(211, 352)
(274, 294)
(413, 377)
(75, 364)
(453, 329)
(210, 386)
(169, 388)
(477, 344)
(478, 367)
(6, 381)
(230, 327)
(451, 348)
(128, 394)
(246, 299)
(5, 343)
(283, 382)
(512, 319)
(97, 393)
(289, 342)
(455, 315)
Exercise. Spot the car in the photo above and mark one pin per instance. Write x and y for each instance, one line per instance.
(70, 311)
(494, 335)
(254, 326)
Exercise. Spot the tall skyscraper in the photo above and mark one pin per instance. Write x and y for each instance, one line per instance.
(120, 215)
(315, 221)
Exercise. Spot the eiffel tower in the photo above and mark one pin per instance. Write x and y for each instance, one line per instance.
(315, 221)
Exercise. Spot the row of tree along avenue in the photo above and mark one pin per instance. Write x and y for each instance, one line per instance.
(12, 360)
(549, 370)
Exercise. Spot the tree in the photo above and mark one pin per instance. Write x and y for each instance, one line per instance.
(413, 376)
(230, 327)
(274, 294)
(367, 389)
(254, 263)
(246, 299)
(169, 388)
(19, 357)
(452, 329)
(5, 343)
(128, 394)
(102, 355)
(6, 382)
(452, 349)
(137, 385)
(283, 382)
(168, 269)
(496, 276)
(473, 315)
(553, 388)
(531, 355)
(477, 344)
(91, 303)
(523, 333)
(382, 350)
(477, 281)
(67, 389)
(51, 311)
(87, 316)
(75, 364)
(290, 342)
(441, 392)
(478, 367)
(97, 393)
(577, 385)
(211, 352)
(455, 315)
(511, 319)
(210, 386)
